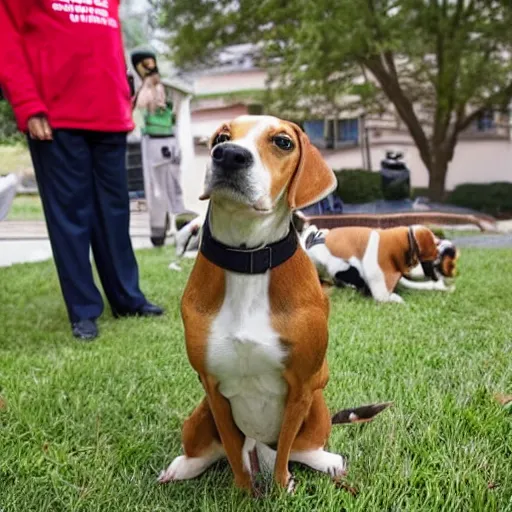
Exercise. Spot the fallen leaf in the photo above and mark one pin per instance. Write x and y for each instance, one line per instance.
(3, 404)
(341, 484)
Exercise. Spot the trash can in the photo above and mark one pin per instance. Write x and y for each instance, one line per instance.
(395, 177)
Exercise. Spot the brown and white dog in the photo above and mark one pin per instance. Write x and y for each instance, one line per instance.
(373, 260)
(257, 336)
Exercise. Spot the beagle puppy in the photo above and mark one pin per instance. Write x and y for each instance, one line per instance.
(373, 261)
(254, 312)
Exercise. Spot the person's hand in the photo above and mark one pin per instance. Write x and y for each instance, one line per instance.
(39, 128)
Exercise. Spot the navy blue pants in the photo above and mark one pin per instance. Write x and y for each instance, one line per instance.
(82, 181)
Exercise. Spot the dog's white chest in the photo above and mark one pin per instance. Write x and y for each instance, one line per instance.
(245, 355)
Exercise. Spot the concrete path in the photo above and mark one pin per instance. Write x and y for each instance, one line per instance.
(27, 241)
(484, 241)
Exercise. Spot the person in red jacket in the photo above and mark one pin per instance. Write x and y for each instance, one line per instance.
(64, 73)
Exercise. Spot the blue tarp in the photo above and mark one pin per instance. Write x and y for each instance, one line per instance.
(332, 205)
(383, 206)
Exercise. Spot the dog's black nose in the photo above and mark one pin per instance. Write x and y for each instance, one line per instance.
(231, 157)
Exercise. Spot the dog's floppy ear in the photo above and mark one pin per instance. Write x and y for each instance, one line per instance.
(223, 129)
(427, 246)
(313, 179)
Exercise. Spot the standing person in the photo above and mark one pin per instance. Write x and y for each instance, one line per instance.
(64, 73)
(161, 155)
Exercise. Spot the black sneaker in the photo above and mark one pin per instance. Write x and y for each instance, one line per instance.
(146, 309)
(85, 330)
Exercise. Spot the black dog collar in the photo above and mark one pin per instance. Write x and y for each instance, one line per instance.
(248, 261)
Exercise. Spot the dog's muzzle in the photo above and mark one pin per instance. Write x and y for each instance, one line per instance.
(229, 165)
(230, 158)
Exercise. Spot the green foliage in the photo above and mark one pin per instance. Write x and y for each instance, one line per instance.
(492, 198)
(358, 186)
(255, 95)
(88, 427)
(135, 24)
(8, 130)
(438, 231)
(419, 192)
(26, 208)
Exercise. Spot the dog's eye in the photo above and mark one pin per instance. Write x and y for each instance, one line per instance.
(222, 137)
(283, 142)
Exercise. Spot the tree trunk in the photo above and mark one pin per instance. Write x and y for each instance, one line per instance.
(437, 178)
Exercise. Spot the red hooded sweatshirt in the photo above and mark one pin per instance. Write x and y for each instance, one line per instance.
(65, 59)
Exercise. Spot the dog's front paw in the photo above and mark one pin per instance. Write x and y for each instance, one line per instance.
(286, 482)
(291, 485)
(244, 482)
(177, 469)
(396, 298)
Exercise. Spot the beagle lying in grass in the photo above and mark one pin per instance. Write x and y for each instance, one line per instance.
(374, 261)
(255, 314)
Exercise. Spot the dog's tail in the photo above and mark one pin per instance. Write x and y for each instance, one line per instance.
(362, 414)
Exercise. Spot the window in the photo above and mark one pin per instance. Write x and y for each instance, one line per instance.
(314, 129)
(348, 130)
(485, 121)
(323, 135)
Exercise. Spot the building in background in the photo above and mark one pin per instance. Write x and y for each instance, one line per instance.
(237, 86)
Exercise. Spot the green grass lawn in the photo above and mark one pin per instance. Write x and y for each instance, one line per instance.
(87, 427)
(26, 207)
(14, 158)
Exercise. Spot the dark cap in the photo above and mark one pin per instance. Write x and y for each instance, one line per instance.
(139, 55)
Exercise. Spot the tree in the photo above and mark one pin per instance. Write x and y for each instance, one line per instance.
(134, 21)
(441, 63)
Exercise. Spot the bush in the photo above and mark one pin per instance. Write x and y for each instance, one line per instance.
(358, 186)
(492, 198)
(419, 192)
(8, 131)
(438, 231)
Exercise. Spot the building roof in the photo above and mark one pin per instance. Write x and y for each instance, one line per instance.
(177, 83)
